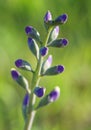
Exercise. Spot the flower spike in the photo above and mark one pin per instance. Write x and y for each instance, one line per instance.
(42, 67)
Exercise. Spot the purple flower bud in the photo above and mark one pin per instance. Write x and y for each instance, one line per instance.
(49, 61)
(46, 64)
(33, 47)
(22, 81)
(19, 63)
(30, 41)
(44, 51)
(48, 17)
(56, 31)
(62, 18)
(33, 33)
(39, 91)
(28, 29)
(64, 42)
(15, 74)
(58, 43)
(54, 95)
(60, 69)
(23, 64)
(51, 97)
(54, 70)
(54, 34)
(26, 100)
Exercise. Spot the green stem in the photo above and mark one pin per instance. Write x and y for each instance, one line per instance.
(48, 35)
(35, 82)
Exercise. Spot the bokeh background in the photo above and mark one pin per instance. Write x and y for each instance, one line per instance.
(73, 110)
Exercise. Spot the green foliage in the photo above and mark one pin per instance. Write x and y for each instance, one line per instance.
(74, 111)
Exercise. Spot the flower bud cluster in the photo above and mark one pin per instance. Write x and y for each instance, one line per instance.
(40, 50)
(49, 22)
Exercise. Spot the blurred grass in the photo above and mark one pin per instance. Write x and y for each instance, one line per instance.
(73, 110)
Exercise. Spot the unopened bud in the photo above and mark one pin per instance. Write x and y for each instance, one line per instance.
(43, 51)
(54, 70)
(23, 64)
(39, 91)
(59, 43)
(61, 19)
(33, 47)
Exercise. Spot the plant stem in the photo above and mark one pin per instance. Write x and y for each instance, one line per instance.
(48, 35)
(35, 82)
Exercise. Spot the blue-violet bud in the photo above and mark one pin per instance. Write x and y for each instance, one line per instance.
(26, 100)
(61, 19)
(64, 42)
(46, 64)
(25, 105)
(33, 33)
(47, 17)
(58, 43)
(33, 47)
(28, 29)
(60, 69)
(39, 91)
(54, 34)
(43, 51)
(51, 97)
(54, 70)
(23, 64)
(54, 95)
(22, 81)
(15, 74)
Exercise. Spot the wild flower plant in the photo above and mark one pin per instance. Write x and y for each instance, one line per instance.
(43, 68)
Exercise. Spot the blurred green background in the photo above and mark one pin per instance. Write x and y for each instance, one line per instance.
(73, 110)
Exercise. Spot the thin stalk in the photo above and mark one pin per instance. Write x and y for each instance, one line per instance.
(48, 35)
(35, 82)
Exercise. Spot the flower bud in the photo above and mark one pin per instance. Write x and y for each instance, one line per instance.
(25, 105)
(61, 19)
(51, 97)
(39, 91)
(43, 51)
(26, 100)
(58, 43)
(15, 74)
(20, 79)
(54, 95)
(48, 20)
(46, 64)
(23, 64)
(47, 17)
(54, 34)
(33, 33)
(33, 47)
(54, 70)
